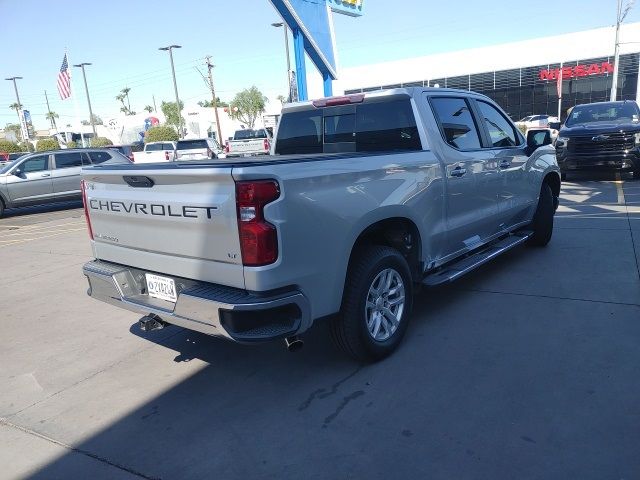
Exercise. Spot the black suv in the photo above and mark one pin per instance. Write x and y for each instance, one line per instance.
(599, 136)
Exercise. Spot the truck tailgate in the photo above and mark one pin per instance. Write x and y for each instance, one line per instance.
(246, 146)
(169, 221)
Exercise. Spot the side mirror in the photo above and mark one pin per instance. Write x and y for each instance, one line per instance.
(17, 172)
(537, 138)
(555, 125)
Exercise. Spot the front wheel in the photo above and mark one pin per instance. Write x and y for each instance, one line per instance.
(376, 305)
(542, 224)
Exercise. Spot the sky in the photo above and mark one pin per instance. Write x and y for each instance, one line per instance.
(121, 40)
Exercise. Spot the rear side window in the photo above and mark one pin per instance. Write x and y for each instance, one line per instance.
(456, 122)
(99, 157)
(68, 160)
(374, 127)
(191, 144)
(501, 132)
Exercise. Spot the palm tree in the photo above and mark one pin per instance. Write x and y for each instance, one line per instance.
(125, 91)
(148, 108)
(51, 116)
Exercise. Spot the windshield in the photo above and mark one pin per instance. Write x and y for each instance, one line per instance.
(7, 166)
(191, 144)
(604, 112)
(248, 133)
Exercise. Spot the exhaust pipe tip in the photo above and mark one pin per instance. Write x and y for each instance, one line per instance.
(151, 322)
(294, 343)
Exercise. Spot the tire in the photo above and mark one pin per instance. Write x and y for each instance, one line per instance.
(1, 208)
(542, 224)
(368, 271)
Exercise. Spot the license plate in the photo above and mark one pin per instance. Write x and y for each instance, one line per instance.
(161, 287)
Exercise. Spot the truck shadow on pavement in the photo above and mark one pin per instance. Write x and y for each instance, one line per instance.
(528, 365)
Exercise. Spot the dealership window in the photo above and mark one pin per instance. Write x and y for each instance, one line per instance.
(501, 132)
(456, 122)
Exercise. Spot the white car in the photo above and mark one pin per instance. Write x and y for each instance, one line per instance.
(155, 152)
(536, 121)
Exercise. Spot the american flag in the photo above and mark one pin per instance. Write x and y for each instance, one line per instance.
(64, 80)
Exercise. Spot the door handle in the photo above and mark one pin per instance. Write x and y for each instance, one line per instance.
(505, 164)
(458, 172)
(45, 175)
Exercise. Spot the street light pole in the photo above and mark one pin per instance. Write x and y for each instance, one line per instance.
(86, 88)
(175, 85)
(286, 46)
(622, 13)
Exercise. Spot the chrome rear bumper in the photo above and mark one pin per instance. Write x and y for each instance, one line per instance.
(216, 310)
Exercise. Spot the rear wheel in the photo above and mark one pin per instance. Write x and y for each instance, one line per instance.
(376, 305)
(542, 224)
(1, 208)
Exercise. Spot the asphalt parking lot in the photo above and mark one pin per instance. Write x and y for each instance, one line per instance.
(526, 369)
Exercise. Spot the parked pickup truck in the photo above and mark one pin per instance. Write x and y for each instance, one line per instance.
(601, 136)
(367, 197)
(155, 152)
(248, 142)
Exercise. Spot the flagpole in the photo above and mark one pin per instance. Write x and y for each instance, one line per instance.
(559, 86)
(75, 101)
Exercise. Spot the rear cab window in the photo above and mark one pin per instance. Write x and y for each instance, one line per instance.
(191, 144)
(375, 126)
(153, 147)
(249, 134)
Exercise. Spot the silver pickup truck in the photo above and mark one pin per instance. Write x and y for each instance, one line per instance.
(367, 197)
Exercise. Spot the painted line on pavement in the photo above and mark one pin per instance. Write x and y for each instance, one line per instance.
(52, 228)
(620, 189)
(26, 240)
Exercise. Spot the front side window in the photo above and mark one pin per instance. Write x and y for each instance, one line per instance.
(456, 122)
(68, 160)
(501, 132)
(35, 164)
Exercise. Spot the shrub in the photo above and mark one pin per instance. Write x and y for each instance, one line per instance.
(10, 147)
(47, 144)
(72, 144)
(101, 142)
(161, 133)
(26, 147)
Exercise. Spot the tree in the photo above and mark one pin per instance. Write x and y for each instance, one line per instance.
(282, 99)
(15, 106)
(9, 147)
(148, 108)
(85, 122)
(51, 116)
(209, 103)
(15, 129)
(161, 133)
(126, 108)
(247, 105)
(47, 144)
(101, 142)
(171, 113)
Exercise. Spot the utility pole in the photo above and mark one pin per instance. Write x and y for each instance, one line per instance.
(286, 46)
(622, 12)
(53, 120)
(215, 100)
(86, 88)
(175, 86)
(24, 130)
(155, 108)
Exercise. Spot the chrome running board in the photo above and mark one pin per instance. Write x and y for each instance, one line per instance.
(457, 269)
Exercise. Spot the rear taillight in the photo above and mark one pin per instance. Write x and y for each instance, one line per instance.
(226, 147)
(258, 238)
(267, 145)
(131, 157)
(83, 187)
(209, 153)
(166, 156)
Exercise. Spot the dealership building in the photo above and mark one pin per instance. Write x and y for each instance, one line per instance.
(522, 76)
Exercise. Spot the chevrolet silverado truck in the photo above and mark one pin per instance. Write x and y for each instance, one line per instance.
(366, 198)
(248, 142)
(600, 136)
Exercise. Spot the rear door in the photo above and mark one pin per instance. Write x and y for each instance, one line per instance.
(514, 195)
(31, 180)
(66, 172)
(472, 176)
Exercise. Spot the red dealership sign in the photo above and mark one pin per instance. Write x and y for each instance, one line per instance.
(577, 71)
